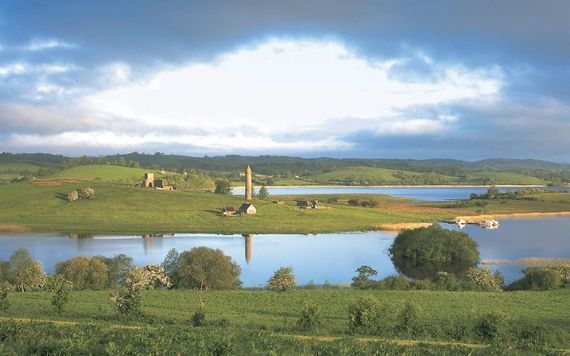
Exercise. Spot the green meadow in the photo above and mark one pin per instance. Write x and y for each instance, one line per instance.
(258, 322)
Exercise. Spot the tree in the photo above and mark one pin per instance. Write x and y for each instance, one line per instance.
(84, 272)
(62, 291)
(310, 318)
(73, 195)
(25, 273)
(170, 265)
(206, 268)
(223, 186)
(263, 193)
(362, 280)
(283, 279)
(422, 253)
(128, 299)
(117, 268)
(483, 279)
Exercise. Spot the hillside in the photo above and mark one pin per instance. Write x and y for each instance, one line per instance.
(371, 175)
(104, 173)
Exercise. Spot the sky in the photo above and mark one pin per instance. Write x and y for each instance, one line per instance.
(371, 79)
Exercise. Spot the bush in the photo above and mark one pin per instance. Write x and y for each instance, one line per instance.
(283, 279)
(25, 273)
(62, 291)
(128, 299)
(421, 284)
(263, 193)
(84, 272)
(87, 193)
(199, 318)
(492, 327)
(73, 196)
(364, 316)
(535, 338)
(446, 281)
(408, 319)
(332, 200)
(206, 268)
(483, 279)
(395, 283)
(354, 202)
(310, 319)
(5, 290)
(537, 278)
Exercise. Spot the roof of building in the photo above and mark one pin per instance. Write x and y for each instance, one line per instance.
(245, 206)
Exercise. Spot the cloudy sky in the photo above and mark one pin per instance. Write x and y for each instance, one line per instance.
(400, 79)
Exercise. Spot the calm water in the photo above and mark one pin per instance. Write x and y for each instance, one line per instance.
(320, 258)
(417, 193)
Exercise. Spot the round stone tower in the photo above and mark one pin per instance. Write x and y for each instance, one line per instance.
(248, 184)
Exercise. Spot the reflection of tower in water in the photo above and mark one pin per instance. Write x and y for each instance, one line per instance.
(248, 243)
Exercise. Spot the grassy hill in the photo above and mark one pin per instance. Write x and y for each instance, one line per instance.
(123, 208)
(261, 322)
(503, 178)
(372, 175)
(104, 173)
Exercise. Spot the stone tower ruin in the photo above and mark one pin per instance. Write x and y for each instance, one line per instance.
(248, 184)
(148, 180)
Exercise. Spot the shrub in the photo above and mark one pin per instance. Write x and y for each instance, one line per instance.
(199, 318)
(128, 299)
(492, 327)
(310, 319)
(395, 283)
(421, 284)
(118, 267)
(364, 316)
(87, 193)
(483, 279)
(564, 270)
(408, 319)
(5, 290)
(62, 291)
(84, 272)
(542, 278)
(73, 196)
(332, 200)
(535, 338)
(283, 279)
(446, 281)
(354, 202)
(206, 268)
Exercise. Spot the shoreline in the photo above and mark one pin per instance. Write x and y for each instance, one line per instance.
(400, 186)
(477, 218)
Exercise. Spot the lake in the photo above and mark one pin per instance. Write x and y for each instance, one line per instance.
(416, 193)
(319, 258)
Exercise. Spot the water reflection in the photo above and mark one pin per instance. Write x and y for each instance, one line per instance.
(320, 258)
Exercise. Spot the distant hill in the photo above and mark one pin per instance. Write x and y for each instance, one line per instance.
(409, 171)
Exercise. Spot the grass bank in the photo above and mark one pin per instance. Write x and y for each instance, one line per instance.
(124, 209)
(252, 315)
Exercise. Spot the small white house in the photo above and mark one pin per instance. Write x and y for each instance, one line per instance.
(247, 209)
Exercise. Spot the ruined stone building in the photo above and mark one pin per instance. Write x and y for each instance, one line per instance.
(248, 184)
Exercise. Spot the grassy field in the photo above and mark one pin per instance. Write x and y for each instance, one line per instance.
(376, 175)
(503, 178)
(105, 173)
(273, 315)
(126, 209)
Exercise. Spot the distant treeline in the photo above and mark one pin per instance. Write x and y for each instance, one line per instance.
(294, 166)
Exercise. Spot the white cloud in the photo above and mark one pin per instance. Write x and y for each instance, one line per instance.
(286, 85)
(281, 95)
(41, 44)
(22, 68)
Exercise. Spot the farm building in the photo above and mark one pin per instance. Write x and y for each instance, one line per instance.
(247, 209)
(150, 182)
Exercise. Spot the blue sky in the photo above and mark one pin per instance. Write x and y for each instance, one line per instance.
(403, 79)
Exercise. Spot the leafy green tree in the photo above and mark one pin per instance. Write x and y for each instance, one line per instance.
(206, 268)
(422, 253)
(363, 279)
(84, 272)
(223, 186)
(481, 278)
(263, 193)
(118, 267)
(170, 265)
(62, 292)
(537, 278)
(25, 273)
(282, 280)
